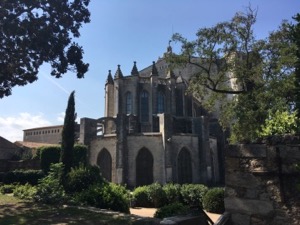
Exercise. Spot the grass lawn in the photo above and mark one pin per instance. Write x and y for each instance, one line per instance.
(17, 212)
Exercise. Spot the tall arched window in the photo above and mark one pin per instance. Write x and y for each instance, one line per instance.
(144, 106)
(144, 167)
(184, 167)
(160, 102)
(128, 103)
(104, 161)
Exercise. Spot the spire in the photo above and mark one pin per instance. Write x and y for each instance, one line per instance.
(170, 73)
(154, 71)
(109, 79)
(169, 49)
(134, 71)
(118, 73)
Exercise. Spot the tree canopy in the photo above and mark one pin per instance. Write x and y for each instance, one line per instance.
(246, 79)
(37, 32)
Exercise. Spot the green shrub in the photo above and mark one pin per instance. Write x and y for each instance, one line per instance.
(116, 197)
(49, 155)
(50, 189)
(82, 177)
(105, 196)
(172, 192)
(213, 200)
(192, 194)
(156, 195)
(79, 155)
(171, 210)
(25, 191)
(140, 196)
(7, 188)
(23, 176)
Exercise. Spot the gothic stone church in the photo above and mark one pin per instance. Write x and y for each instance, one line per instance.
(153, 131)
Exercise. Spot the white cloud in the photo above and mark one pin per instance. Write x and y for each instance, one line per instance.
(61, 117)
(11, 128)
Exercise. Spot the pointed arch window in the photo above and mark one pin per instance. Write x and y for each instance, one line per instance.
(184, 167)
(144, 167)
(104, 161)
(160, 102)
(144, 106)
(128, 103)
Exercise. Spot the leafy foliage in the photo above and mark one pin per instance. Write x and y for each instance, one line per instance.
(80, 178)
(50, 189)
(213, 200)
(25, 191)
(238, 75)
(172, 192)
(23, 176)
(7, 188)
(37, 32)
(105, 196)
(172, 209)
(79, 155)
(140, 196)
(280, 123)
(192, 194)
(48, 156)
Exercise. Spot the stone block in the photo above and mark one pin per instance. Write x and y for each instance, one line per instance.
(247, 151)
(240, 219)
(184, 220)
(240, 179)
(248, 206)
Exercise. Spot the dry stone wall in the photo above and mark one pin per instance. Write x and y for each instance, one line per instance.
(261, 184)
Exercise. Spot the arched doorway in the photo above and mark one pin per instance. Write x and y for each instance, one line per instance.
(144, 167)
(184, 167)
(104, 161)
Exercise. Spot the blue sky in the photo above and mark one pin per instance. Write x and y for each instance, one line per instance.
(121, 32)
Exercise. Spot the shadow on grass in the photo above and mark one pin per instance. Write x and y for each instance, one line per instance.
(29, 213)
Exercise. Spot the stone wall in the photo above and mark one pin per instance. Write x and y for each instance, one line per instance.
(261, 184)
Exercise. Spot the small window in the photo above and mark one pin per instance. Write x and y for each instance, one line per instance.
(160, 102)
(144, 106)
(128, 103)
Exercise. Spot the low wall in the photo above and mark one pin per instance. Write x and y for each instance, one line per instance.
(261, 184)
(6, 165)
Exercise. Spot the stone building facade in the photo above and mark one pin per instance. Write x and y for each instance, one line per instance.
(153, 131)
(49, 135)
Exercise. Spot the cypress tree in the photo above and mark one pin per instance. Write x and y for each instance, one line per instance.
(296, 38)
(68, 135)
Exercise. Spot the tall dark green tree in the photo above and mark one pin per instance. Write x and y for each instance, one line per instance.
(296, 38)
(68, 135)
(37, 32)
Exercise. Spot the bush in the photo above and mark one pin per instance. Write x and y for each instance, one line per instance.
(25, 191)
(50, 189)
(116, 197)
(213, 200)
(105, 196)
(171, 210)
(7, 188)
(156, 195)
(140, 196)
(79, 155)
(23, 176)
(172, 192)
(48, 156)
(192, 194)
(82, 177)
